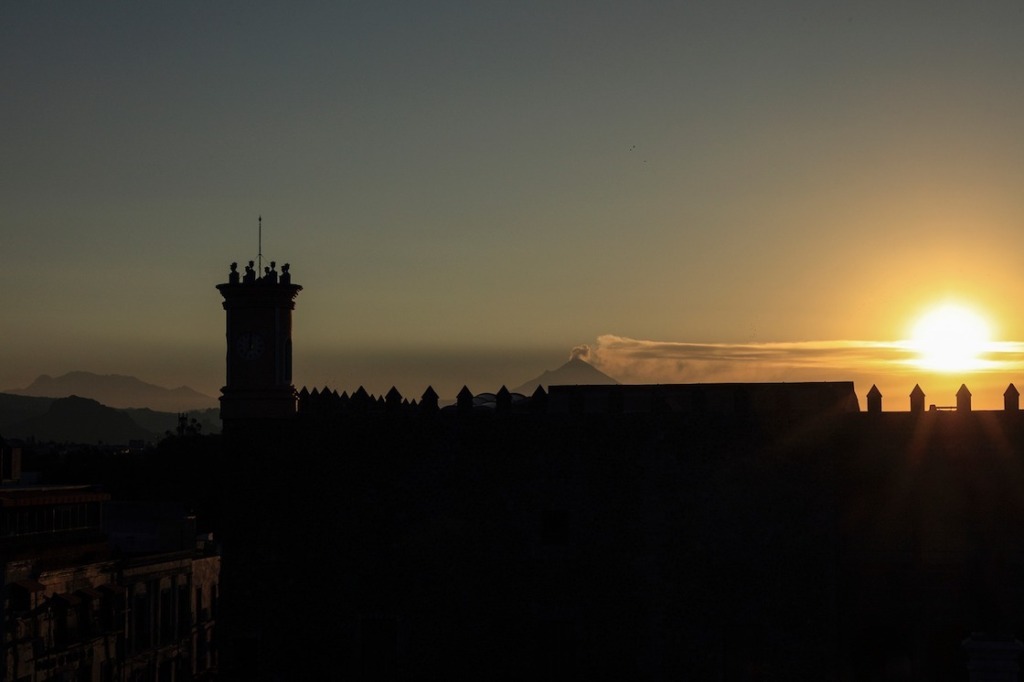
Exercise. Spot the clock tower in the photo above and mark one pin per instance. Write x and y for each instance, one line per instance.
(259, 339)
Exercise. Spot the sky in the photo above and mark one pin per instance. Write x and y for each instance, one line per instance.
(469, 191)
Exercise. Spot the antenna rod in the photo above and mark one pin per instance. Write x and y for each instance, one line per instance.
(259, 249)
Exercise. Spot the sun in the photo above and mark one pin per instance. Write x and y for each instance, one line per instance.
(950, 338)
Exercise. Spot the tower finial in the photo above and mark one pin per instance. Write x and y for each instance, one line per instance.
(259, 246)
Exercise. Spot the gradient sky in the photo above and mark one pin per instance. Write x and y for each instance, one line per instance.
(468, 190)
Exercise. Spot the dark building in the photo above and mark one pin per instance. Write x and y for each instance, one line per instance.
(259, 337)
(76, 607)
(717, 531)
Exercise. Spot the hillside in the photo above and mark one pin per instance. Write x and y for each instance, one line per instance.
(71, 420)
(80, 420)
(17, 408)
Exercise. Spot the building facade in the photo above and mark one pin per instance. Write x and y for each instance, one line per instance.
(76, 607)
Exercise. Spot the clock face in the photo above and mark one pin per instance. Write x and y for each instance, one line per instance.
(250, 345)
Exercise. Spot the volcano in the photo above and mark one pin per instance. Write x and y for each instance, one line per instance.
(576, 372)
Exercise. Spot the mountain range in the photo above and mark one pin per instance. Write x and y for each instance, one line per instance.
(116, 390)
(83, 407)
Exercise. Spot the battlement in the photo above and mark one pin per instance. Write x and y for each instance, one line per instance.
(723, 400)
(726, 400)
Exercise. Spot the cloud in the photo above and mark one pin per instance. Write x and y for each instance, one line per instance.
(645, 361)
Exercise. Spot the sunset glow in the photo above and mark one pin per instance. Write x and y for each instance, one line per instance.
(466, 191)
(950, 338)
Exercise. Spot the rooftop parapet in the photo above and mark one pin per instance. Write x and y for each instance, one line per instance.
(247, 285)
(251, 277)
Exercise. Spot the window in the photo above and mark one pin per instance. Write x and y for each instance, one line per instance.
(183, 612)
(166, 617)
(141, 621)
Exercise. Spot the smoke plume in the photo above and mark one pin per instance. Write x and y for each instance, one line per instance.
(580, 352)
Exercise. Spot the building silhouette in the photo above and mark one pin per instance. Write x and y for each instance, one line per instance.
(77, 606)
(717, 531)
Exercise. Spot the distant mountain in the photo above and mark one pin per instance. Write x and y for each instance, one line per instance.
(576, 372)
(118, 390)
(80, 420)
(23, 416)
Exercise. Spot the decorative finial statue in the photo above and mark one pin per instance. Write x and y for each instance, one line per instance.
(286, 277)
(272, 272)
(250, 274)
(233, 276)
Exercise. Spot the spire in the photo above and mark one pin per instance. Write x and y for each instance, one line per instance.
(1011, 399)
(917, 399)
(963, 399)
(429, 399)
(464, 400)
(874, 399)
(503, 399)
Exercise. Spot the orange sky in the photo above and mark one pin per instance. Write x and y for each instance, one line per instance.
(467, 191)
